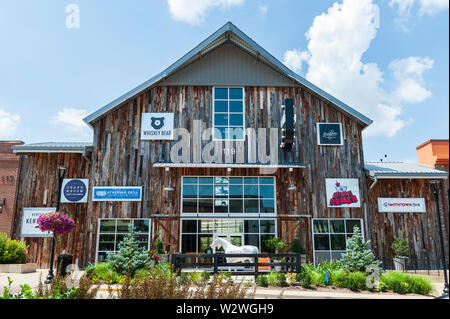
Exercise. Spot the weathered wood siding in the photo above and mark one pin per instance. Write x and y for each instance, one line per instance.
(121, 158)
(421, 229)
(38, 186)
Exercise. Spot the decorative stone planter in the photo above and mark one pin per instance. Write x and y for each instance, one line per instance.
(400, 263)
(18, 268)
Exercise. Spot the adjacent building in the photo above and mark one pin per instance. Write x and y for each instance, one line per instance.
(9, 170)
(226, 142)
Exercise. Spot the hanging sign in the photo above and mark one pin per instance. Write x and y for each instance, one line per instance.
(329, 134)
(401, 205)
(157, 126)
(74, 190)
(117, 193)
(342, 192)
(30, 227)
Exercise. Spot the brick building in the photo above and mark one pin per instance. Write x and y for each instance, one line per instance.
(9, 170)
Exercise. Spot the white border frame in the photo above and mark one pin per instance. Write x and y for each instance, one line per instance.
(329, 237)
(243, 112)
(117, 200)
(318, 133)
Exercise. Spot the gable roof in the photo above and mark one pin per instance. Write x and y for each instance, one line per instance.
(402, 170)
(228, 33)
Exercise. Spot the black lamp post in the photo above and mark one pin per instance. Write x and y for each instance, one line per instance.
(61, 174)
(435, 188)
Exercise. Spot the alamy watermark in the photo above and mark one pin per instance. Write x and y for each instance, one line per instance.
(73, 16)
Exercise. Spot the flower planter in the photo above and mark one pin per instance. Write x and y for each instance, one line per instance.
(400, 263)
(18, 268)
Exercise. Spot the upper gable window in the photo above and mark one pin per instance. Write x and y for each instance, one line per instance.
(228, 113)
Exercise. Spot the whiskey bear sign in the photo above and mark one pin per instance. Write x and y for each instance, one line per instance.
(157, 126)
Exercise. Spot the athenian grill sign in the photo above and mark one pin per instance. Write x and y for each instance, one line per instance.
(157, 126)
(342, 192)
(401, 205)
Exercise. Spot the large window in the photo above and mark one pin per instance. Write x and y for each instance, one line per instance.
(198, 234)
(228, 114)
(330, 237)
(224, 196)
(112, 231)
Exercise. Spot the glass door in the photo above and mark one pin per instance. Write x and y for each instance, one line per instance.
(234, 239)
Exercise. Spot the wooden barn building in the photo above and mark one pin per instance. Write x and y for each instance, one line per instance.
(226, 142)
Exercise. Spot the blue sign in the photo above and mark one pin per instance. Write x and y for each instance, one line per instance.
(117, 193)
(74, 190)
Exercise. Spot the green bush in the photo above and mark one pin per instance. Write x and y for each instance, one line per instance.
(304, 277)
(340, 278)
(400, 246)
(356, 281)
(297, 247)
(131, 256)
(275, 244)
(277, 279)
(402, 283)
(104, 273)
(262, 281)
(12, 251)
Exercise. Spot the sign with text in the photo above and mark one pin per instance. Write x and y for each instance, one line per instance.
(30, 226)
(157, 126)
(342, 192)
(74, 190)
(401, 205)
(117, 193)
(329, 134)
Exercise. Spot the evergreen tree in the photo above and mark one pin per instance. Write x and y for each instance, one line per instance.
(131, 256)
(358, 256)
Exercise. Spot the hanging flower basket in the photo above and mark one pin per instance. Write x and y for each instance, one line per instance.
(57, 222)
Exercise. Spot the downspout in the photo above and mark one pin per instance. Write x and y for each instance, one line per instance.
(375, 180)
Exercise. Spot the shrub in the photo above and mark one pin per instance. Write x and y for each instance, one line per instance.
(400, 282)
(277, 279)
(12, 251)
(104, 273)
(131, 256)
(356, 281)
(262, 281)
(274, 244)
(400, 246)
(358, 256)
(297, 247)
(340, 278)
(304, 277)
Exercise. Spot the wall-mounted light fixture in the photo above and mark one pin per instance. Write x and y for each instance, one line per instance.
(2, 204)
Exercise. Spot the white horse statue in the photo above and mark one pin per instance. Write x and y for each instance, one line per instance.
(232, 249)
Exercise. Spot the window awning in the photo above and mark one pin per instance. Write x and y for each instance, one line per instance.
(229, 165)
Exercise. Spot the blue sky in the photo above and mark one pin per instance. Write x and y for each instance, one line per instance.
(388, 59)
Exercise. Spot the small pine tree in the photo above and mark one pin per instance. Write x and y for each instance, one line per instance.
(400, 246)
(130, 257)
(358, 256)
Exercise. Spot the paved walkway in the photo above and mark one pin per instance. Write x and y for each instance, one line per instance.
(32, 279)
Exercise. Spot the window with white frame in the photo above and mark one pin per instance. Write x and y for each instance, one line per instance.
(330, 237)
(228, 195)
(228, 113)
(112, 231)
(197, 234)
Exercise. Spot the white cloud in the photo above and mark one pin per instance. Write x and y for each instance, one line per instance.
(432, 6)
(195, 12)
(263, 9)
(408, 74)
(8, 124)
(72, 119)
(295, 58)
(337, 40)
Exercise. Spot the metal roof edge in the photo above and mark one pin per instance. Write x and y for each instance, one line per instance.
(229, 26)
